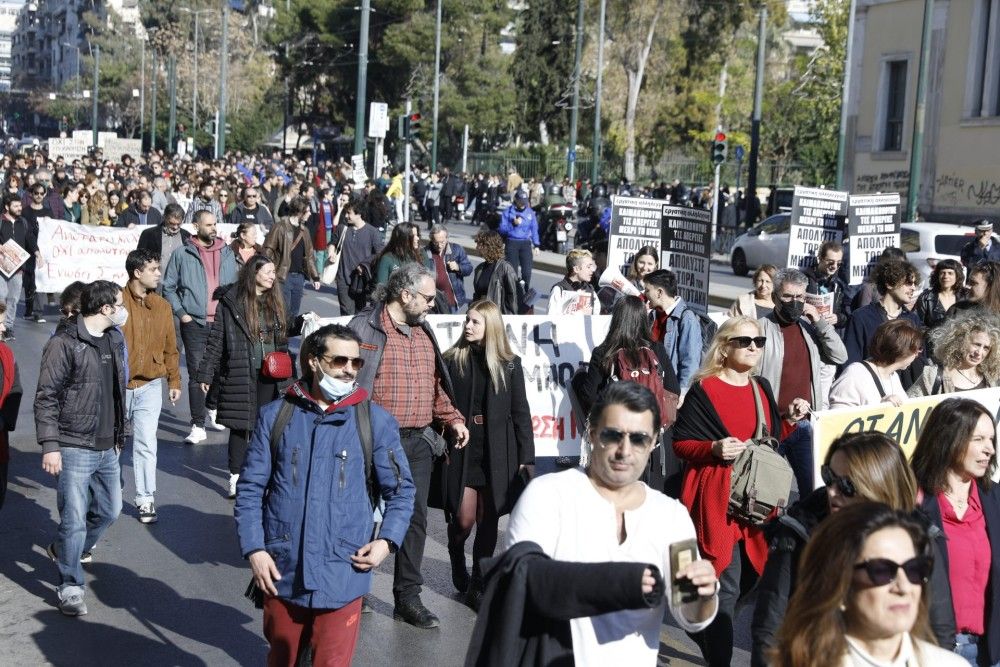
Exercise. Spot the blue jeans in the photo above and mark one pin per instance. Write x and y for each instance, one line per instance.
(798, 449)
(967, 647)
(291, 291)
(142, 406)
(519, 254)
(10, 294)
(89, 498)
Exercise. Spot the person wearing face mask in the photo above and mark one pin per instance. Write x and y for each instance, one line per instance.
(800, 343)
(80, 423)
(313, 595)
(249, 324)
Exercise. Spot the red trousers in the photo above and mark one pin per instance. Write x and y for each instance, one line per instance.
(331, 634)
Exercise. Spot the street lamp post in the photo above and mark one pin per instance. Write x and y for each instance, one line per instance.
(194, 87)
(97, 72)
(220, 146)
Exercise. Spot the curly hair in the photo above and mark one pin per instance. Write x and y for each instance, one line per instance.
(950, 339)
(490, 245)
(893, 273)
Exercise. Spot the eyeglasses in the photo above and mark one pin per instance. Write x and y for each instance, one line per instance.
(882, 571)
(744, 341)
(339, 361)
(612, 437)
(428, 299)
(843, 484)
(792, 297)
(833, 262)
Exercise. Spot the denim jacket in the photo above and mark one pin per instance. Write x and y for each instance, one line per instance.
(683, 343)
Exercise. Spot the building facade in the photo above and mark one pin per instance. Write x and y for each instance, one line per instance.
(9, 9)
(959, 176)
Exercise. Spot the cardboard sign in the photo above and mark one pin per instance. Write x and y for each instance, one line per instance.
(817, 216)
(115, 148)
(872, 226)
(686, 249)
(12, 256)
(68, 149)
(635, 223)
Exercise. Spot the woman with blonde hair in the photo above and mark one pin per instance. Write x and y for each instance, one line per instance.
(479, 480)
(862, 596)
(968, 353)
(718, 416)
(760, 302)
(858, 467)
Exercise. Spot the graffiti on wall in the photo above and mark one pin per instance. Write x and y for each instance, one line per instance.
(976, 191)
(885, 181)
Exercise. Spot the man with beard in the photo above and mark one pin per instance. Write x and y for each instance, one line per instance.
(203, 264)
(404, 372)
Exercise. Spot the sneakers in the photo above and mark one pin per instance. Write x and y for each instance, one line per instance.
(73, 605)
(210, 421)
(85, 557)
(35, 317)
(8, 336)
(147, 513)
(196, 435)
(232, 484)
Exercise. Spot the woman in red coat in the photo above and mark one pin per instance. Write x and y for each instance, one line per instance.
(717, 417)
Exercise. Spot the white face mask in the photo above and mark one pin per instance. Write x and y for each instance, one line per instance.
(334, 389)
(119, 317)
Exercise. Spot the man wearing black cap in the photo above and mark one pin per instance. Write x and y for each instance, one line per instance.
(519, 228)
(983, 247)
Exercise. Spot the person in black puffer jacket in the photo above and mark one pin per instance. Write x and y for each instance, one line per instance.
(249, 324)
(858, 467)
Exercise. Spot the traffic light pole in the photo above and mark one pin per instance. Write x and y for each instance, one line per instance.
(595, 167)
(97, 85)
(220, 129)
(359, 109)
(437, 87)
(715, 191)
(575, 111)
(406, 169)
(758, 101)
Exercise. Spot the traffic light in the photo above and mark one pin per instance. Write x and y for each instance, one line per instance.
(411, 125)
(719, 149)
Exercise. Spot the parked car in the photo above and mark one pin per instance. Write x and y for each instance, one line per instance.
(925, 244)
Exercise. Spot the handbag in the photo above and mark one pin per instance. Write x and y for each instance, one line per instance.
(276, 365)
(329, 276)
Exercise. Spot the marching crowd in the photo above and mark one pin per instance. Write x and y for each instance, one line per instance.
(336, 456)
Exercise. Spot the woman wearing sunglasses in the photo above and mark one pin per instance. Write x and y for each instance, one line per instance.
(858, 467)
(967, 350)
(716, 419)
(479, 479)
(864, 600)
(954, 462)
(249, 324)
(895, 345)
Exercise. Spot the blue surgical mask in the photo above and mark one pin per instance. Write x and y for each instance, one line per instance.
(334, 389)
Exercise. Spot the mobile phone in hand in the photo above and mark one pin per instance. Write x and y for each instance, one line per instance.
(682, 554)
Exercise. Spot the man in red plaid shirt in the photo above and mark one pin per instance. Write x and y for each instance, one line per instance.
(406, 375)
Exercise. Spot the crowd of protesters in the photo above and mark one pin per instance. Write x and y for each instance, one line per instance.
(377, 417)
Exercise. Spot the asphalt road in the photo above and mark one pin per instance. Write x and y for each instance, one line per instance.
(172, 593)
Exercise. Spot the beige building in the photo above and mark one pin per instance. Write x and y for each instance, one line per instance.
(960, 174)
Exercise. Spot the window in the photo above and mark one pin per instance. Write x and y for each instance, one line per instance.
(895, 104)
(982, 80)
(909, 240)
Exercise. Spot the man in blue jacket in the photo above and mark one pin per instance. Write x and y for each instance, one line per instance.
(304, 518)
(519, 228)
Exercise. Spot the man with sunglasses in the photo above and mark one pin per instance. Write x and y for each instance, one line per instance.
(311, 551)
(252, 210)
(800, 342)
(406, 375)
(603, 513)
(982, 248)
(825, 278)
(36, 208)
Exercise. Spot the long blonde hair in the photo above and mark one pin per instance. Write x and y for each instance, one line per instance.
(495, 345)
(714, 360)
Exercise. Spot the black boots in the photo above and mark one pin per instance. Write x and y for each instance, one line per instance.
(474, 596)
(459, 573)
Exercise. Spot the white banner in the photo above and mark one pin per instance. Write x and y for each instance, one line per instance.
(551, 349)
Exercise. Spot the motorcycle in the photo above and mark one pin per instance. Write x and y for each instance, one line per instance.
(558, 223)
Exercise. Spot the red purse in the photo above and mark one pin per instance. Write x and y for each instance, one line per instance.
(277, 365)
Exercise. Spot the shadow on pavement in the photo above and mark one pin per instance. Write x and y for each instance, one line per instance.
(79, 642)
(198, 537)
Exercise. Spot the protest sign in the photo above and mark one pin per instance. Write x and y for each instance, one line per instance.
(72, 252)
(635, 222)
(686, 249)
(903, 424)
(12, 256)
(817, 216)
(69, 149)
(551, 350)
(115, 148)
(872, 226)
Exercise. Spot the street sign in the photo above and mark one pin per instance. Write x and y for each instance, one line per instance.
(378, 120)
(739, 153)
(572, 156)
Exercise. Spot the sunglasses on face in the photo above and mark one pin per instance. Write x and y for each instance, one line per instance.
(612, 437)
(339, 361)
(843, 484)
(882, 571)
(744, 341)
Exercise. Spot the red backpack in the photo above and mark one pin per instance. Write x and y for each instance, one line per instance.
(648, 374)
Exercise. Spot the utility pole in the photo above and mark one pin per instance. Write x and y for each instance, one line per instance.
(595, 167)
(920, 113)
(844, 93)
(406, 168)
(142, 92)
(97, 74)
(359, 107)
(152, 136)
(437, 87)
(758, 101)
(194, 91)
(465, 149)
(172, 83)
(220, 145)
(575, 111)
(284, 111)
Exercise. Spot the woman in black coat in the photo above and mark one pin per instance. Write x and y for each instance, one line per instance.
(249, 324)
(481, 479)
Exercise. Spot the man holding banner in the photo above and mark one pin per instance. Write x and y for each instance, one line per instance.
(14, 228)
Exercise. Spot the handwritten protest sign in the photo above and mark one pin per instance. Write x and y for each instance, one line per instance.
(551, 350)
(687, 251)
(817, 216)
(12, 256)
(72, 252)
(70, 148)
(872, 226)
(635, 222)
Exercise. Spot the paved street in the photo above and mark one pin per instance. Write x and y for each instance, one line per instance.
(172, 593)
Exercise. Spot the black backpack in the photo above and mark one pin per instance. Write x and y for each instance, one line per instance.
(708, 329)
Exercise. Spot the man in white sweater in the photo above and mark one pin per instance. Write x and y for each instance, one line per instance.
(574, 294)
